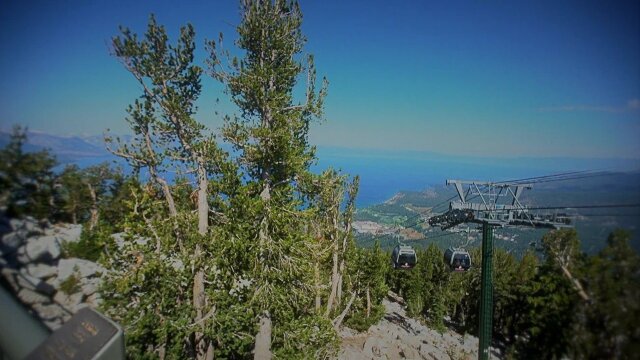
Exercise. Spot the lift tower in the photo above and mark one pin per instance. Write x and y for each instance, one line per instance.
(498, 205)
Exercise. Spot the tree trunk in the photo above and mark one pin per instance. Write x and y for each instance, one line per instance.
(262, 350)
(338, 321)
(576, 283)
(339, 288)
(316, 271)
(201, 344)
(334, 281)
(204, 349)
(154, 175)
(368, 302)
(93, 221)
(341, 268)
(203, 204)
(167, 196)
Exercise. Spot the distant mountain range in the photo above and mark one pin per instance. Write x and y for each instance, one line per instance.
(385, 172)
(68, 149)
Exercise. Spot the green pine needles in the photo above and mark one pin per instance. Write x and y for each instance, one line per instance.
(244, 253)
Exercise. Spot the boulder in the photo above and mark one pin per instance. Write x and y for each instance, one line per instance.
(118, 238)
(12, 241)
(44, 248)
(16, 224)
(26, 281)
(31, 297)
(11, 276)
(84, 268)
(49, 311)
(94, 300)
(90, 286)
(122, 238)
(69, 302)
(31, 226)
(41, 271)
(68, 233)
(54, 324)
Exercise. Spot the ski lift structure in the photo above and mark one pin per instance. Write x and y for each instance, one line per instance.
(499, 205)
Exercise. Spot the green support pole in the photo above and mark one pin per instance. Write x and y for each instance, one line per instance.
(486, 296)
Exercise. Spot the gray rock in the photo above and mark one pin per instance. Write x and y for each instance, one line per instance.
(49, 311)
(118, 238)
(26, 281)
(90, 286)
(31, 226)
(12, 241)
(53, 325)
(69, 233)
(16, 224)
(69, 302)
(11, 276)
(41, 271)
(45, 288)
(94, 300)
(121, 239)
(84, 268)
(44, 248)
(31, 297)
(53, 281)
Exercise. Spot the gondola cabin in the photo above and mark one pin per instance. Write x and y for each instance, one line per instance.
(457, 259)
(403, 257)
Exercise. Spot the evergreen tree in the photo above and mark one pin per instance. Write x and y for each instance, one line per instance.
(607, 326)
(167, 135)
(259, 258)
(26, 179)
(72, 195)
(281, 197)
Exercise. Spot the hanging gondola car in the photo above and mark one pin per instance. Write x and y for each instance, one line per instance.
(457, 259)
(403, 257)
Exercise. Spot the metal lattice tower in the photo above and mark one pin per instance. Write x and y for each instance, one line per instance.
(498, 205)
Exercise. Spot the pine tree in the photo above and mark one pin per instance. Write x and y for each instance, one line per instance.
(73, 197)
(26, 179)
(606, 327)
(167, 135)
(294, 217)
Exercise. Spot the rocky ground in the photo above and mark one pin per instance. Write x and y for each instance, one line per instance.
(398, 336)
(31, 267)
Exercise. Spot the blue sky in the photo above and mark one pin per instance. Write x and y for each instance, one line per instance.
(481, 78)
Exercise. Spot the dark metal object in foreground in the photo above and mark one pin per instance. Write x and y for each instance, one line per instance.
(20, 332)
(87, 335)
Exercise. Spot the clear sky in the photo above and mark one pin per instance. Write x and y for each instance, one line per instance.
(492, 77)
